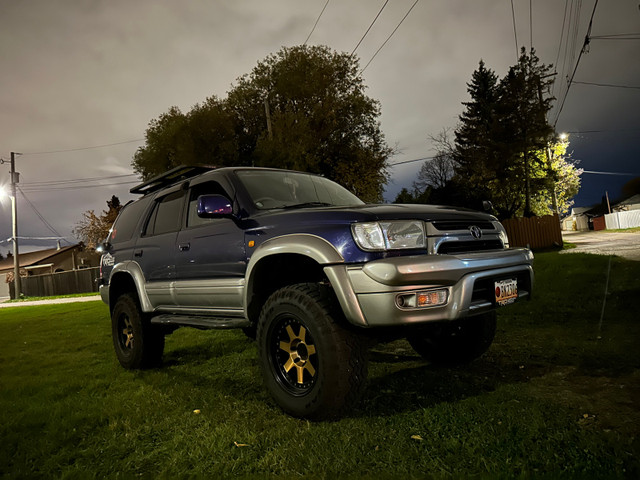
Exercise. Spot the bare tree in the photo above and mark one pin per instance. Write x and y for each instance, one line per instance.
(437, 171)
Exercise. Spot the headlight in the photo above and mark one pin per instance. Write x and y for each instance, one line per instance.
(502, 233)
(393, 235)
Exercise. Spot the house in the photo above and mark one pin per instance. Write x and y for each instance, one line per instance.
(631, 203)
(53, 260)
(578, 219)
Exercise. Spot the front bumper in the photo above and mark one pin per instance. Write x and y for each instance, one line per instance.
(368, 292)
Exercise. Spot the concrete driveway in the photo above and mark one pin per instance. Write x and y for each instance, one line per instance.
(92, 298)
(623, 244)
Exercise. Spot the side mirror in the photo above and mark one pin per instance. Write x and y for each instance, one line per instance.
(214, 206)
(487, 206)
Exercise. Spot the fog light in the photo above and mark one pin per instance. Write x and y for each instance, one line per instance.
(425, 298)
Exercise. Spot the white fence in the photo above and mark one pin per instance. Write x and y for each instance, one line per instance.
(623, 219)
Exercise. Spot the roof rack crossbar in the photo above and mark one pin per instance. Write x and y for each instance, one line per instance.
(175, 175)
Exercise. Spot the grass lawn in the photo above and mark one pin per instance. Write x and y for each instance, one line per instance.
(558, 393)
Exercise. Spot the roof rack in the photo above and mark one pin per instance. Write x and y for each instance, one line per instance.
(175, 175)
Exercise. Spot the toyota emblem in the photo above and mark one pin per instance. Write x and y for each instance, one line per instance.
(475, 231)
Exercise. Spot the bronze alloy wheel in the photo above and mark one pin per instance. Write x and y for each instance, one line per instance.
(137, 343)
(312, 365)
(125, 337)
(293, 355)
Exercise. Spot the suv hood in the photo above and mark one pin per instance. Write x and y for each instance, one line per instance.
(375, 212)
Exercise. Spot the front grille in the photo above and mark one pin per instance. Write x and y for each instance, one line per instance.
(449, 248)
(452, 225)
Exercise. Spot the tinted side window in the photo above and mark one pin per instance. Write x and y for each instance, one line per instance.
(127, 221)
(166, 214)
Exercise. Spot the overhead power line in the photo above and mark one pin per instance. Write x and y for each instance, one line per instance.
(38, 214)
(365, 33)
(618, 36)
(75, 180)
(612, 173)
(585, 47)
(84, 148)
(316, 24)
(606, 85)
(389, 37)
(423, 159)
(79, 187)
(515, 33)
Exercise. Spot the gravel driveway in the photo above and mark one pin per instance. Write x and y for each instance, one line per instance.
(623, 244)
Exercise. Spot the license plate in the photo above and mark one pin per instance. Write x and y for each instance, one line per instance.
(506, 291)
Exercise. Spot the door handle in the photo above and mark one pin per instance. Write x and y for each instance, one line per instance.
(137, 253)
(183, 247)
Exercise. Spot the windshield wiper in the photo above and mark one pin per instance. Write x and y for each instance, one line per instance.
(306, 205)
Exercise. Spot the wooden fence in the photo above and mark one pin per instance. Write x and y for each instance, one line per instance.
(63, 283)
(534, 232)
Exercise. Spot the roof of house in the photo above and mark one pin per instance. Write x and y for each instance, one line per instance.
(33, 258)
(630, 201)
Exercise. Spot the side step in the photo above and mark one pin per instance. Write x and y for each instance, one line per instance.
(202, 322)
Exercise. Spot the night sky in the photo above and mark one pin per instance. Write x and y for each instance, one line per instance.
(80, 74)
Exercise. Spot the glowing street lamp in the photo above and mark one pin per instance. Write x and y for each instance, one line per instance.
(14, 216)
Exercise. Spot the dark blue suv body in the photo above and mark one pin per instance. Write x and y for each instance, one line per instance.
(311, 271)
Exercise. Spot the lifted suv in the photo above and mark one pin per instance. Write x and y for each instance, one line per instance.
(308, 269)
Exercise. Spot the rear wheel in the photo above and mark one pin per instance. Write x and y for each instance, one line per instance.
(456, 342)
(312, 366)
(137, 343)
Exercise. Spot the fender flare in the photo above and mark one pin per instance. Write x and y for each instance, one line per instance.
(312, 246)
(134, 270)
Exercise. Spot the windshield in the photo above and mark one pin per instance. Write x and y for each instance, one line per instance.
(282, 189)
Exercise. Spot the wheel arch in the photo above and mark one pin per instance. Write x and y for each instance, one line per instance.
(283, 261)
(128, 278)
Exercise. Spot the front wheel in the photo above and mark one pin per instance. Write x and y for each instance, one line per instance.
(312, 366)
(137, 343)
(456, 342)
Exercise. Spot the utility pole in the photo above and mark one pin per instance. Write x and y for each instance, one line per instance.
(14, 215)
(267, 112)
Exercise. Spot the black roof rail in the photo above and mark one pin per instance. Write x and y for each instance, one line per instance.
(175, 175)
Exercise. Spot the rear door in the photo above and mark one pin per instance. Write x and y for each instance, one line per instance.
(155, 251)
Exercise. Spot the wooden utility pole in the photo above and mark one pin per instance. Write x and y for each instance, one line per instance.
(267, 112)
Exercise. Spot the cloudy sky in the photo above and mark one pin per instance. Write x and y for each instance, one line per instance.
(81, 79)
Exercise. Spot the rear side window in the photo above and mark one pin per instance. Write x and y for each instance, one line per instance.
(166, 214)
(125, 225)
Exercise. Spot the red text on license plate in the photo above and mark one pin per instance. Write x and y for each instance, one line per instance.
(506, 291)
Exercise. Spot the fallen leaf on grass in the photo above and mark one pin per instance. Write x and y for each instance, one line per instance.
(417, 437)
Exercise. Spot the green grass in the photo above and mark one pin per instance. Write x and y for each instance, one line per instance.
(53, 297)
(624, 230)
(557, 394)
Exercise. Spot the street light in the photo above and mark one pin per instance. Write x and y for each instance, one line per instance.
(14, 217)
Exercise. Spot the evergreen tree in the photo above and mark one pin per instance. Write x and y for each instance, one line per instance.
(502, 139)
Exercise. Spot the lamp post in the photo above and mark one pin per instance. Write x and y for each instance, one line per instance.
(14, 216)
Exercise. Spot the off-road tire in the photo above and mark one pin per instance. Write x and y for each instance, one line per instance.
(313, 366)
(457, 342)
(137, 343)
